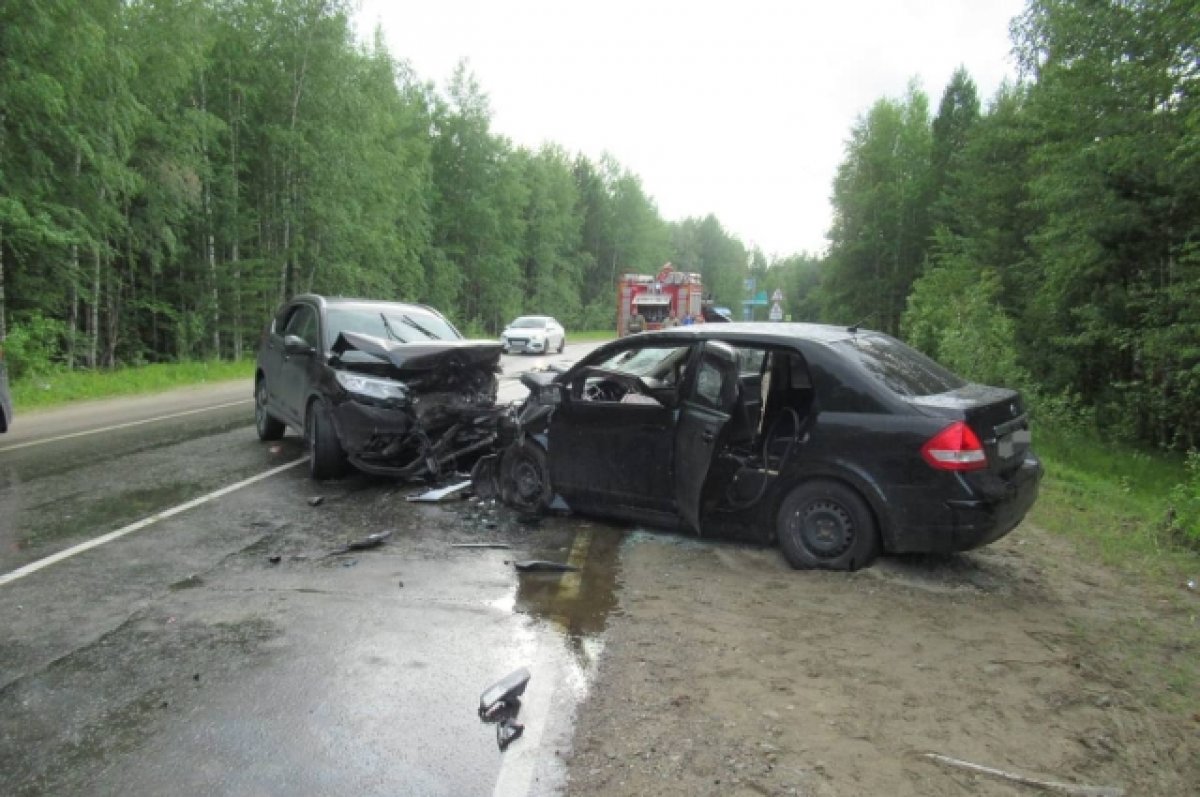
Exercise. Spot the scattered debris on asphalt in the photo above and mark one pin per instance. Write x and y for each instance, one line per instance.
(1057, 787)
(508, 730)
(316, 500)
(441, 493)
(543, 566)
(485, 477)
(365, 544)
(503, 693)
(480, 545)
(275, 559)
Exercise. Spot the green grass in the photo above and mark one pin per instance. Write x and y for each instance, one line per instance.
(590, 335)
(62, 387)
(1114, 499)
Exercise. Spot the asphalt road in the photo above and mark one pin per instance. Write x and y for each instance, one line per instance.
(176, 619)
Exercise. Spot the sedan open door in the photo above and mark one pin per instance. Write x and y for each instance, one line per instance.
(708, 402)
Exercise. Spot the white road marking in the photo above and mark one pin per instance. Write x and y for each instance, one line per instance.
(86, 432)
(33, 567)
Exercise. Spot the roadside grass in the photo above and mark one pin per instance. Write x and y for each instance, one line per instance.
(1115, 498)
(58, 387)
(590, 335)
(1113, 501)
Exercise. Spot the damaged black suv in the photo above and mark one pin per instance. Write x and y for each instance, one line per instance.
(390, 388)
(838, 443)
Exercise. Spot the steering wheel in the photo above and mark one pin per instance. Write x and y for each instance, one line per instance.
(603, 390)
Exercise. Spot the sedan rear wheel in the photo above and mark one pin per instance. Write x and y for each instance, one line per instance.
(267, 426)
(326, 459)
(562, 344)
(827, 525)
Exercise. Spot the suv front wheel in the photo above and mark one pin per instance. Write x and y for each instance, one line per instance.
(326, 459)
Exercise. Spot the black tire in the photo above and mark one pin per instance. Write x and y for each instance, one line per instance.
(826, 525)
(562, 344)
(267, 425)
(326, 459)
(525, 477)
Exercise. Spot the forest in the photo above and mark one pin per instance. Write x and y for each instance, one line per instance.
(171, 170)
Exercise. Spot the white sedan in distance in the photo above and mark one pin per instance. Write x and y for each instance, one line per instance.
(535, 334)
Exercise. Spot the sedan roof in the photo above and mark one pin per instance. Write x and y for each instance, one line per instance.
(768, 332)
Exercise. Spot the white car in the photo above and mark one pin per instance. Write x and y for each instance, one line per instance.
(536, 334)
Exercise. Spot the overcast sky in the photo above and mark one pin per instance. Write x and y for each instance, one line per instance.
(739, 108)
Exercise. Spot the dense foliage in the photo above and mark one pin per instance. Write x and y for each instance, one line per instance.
(170, 170)
(1052, 240)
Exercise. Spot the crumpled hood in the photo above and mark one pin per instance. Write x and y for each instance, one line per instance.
(425, 356)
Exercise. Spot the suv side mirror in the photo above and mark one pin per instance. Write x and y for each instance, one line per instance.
(294, 344)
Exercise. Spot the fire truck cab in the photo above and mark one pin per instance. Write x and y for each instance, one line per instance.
(654, 302)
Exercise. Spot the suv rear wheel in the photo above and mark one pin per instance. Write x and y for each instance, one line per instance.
(268, 426)
(827, 525)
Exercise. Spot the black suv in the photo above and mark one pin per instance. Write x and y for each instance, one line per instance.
(388, 387)
(839, 443)
(6, 411)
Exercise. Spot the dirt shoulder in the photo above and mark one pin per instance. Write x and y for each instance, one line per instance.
(727, 673)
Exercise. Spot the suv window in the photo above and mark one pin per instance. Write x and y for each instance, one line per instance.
(904, 370)
(303, 324)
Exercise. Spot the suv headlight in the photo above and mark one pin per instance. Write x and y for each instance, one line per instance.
(371, 387)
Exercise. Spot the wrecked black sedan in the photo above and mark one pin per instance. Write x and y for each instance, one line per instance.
(390, 388)
(838, 443)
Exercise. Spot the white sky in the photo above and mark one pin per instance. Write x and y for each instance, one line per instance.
(739, 108)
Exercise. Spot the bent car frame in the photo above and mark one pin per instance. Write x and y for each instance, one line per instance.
(388, 387)
(837, 443)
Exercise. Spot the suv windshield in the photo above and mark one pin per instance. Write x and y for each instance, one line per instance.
(904, 370)
(388, 321)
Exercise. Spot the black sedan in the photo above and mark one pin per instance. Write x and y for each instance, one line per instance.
(388, 387)
(837, 442)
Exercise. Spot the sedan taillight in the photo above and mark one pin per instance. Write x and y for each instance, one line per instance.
(955, 448)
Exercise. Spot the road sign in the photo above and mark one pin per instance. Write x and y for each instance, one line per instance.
(777, 296)
(776, 313)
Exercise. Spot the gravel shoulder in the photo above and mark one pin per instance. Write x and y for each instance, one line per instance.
(727, 673)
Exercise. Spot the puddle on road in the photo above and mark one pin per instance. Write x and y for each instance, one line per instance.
(579, 602)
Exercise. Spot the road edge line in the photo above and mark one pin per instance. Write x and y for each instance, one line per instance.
(33, 567)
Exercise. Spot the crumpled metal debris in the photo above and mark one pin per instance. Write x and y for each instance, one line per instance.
(365, 544)
(543, 566)
(441, 493)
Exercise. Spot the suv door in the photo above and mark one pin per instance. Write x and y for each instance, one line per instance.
(295, 377)
(708, 400)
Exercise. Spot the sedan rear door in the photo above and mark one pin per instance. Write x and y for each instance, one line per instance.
(709, 397)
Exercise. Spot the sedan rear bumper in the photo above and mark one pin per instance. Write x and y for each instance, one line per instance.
(996, 508)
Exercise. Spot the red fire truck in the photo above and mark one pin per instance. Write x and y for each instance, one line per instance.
(653, 302)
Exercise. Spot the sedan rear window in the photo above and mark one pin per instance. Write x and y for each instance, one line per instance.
(904, 370)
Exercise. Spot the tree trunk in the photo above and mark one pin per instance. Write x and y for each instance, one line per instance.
(235, 226)
(210, 241)
(94, 311)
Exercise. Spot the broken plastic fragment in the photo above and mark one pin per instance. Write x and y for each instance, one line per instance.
(507, 689)
(316, 500)
(440, 494)
(507, 732)
(543, 566)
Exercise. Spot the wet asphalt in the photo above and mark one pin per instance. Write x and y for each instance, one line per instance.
(230, 649)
